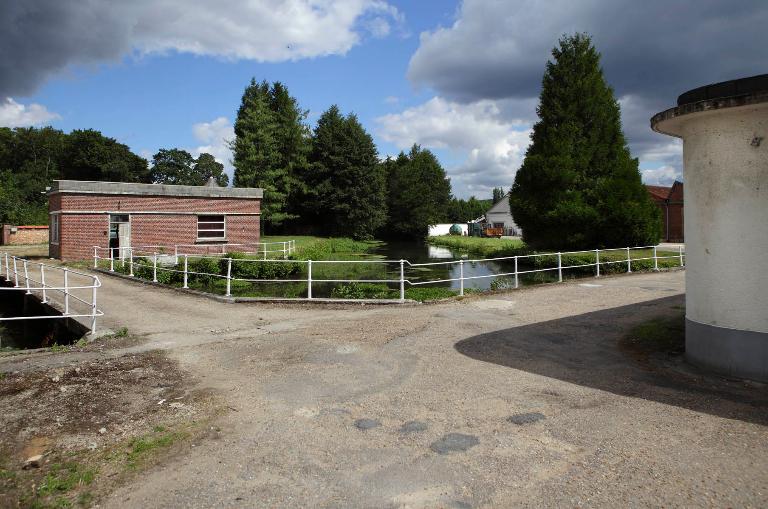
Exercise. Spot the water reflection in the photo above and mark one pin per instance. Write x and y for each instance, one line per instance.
(482, 272)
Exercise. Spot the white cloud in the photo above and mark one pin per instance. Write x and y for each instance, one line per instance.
(662, 176)
(13, 114)
(492, 143)
(215, 137)
(259, 30)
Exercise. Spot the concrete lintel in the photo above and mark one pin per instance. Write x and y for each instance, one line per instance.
(131, 188)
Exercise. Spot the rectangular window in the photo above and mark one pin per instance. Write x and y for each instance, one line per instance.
(55, 228)
(498, 225)
(211, 228)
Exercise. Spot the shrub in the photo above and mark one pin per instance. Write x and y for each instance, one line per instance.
(363, 291)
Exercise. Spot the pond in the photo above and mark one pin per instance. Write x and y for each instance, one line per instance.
(419, 252)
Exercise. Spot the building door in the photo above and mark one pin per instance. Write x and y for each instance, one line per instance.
(119, 235)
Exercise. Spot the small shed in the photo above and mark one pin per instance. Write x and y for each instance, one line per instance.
(117, 215)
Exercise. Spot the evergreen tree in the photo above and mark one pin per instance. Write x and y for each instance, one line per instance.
(498, 194)
(270, 147)
(345, 182)
(419, 193)
(579, 187)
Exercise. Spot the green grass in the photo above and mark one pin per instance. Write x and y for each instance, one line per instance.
(659, 335)
(63, 477)
(141, 448)
(481, 246)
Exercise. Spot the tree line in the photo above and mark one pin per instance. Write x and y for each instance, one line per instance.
(32, 158)
(329, 180)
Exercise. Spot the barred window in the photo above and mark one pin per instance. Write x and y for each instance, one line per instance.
(211, 227)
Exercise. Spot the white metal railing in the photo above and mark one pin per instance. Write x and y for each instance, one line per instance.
(179, 264)
(266, 250)
(54, 286)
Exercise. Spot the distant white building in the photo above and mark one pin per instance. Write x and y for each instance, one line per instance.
(500, 216)
(445, 229)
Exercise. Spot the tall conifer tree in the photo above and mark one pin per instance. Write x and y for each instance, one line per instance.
(579, 187)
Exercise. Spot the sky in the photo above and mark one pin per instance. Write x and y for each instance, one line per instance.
(461, 78)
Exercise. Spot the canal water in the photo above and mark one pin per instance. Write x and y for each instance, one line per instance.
(482, 271)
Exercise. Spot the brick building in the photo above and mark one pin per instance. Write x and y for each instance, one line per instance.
(670, 201)
(21, 235)
(118, 215)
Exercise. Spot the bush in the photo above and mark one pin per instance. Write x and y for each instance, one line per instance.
(247, 267)
(363, 291)
(206, 267)
(424, 293)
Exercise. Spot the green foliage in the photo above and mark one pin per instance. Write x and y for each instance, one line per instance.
(206, 166)
(427, 293)
(139, 449)
(270, 147)
(364, 291)
(578, 186)
(463, 211)
(498, 195)
(345, 185)
(333, 249)
(205, 267)
(63, 477)
(178, 167)
(481, 246)
(250, 267)
(31, 158)
(89, 155)
(419, 193)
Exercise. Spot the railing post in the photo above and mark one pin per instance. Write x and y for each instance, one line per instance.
(112, 260)
(517, 281)
(154, 267)
(42, 283)
(559, 267)
(309, 279)
(15, 273)
(95, 257)
(597, 262)
(461, 277)
(176, 254)
(655, 260)
(285, 250)
(93, 307)
(130, 262)
(229, 277)
(26, 278)
(402, 280)
(186, 269)
(66, 291)
(629, 262)
(680, 250)
(7, 269)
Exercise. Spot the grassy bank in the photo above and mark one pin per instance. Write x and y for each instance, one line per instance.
(481, 246)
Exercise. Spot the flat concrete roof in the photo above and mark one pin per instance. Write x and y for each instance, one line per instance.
(130, 188)
(717, 96)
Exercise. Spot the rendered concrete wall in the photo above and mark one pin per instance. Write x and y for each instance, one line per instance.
(725, 154)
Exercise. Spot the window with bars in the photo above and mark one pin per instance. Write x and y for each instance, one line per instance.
(211, 227)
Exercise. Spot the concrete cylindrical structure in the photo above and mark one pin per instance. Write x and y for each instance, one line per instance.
(724, 128)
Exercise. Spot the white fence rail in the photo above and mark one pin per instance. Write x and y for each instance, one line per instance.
(179, 265)
(75, 292)
(265, 250)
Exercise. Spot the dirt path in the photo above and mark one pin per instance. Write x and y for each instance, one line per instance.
(518, 399)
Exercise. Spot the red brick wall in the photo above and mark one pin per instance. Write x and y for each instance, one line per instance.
(80, 232)
(23, 235)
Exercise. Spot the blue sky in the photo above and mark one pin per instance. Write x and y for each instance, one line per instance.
(458, 77)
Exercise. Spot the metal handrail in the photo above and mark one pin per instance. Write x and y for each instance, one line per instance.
(402, 280)
(15, 269)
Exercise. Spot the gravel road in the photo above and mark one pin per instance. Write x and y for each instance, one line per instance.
(516, 399)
